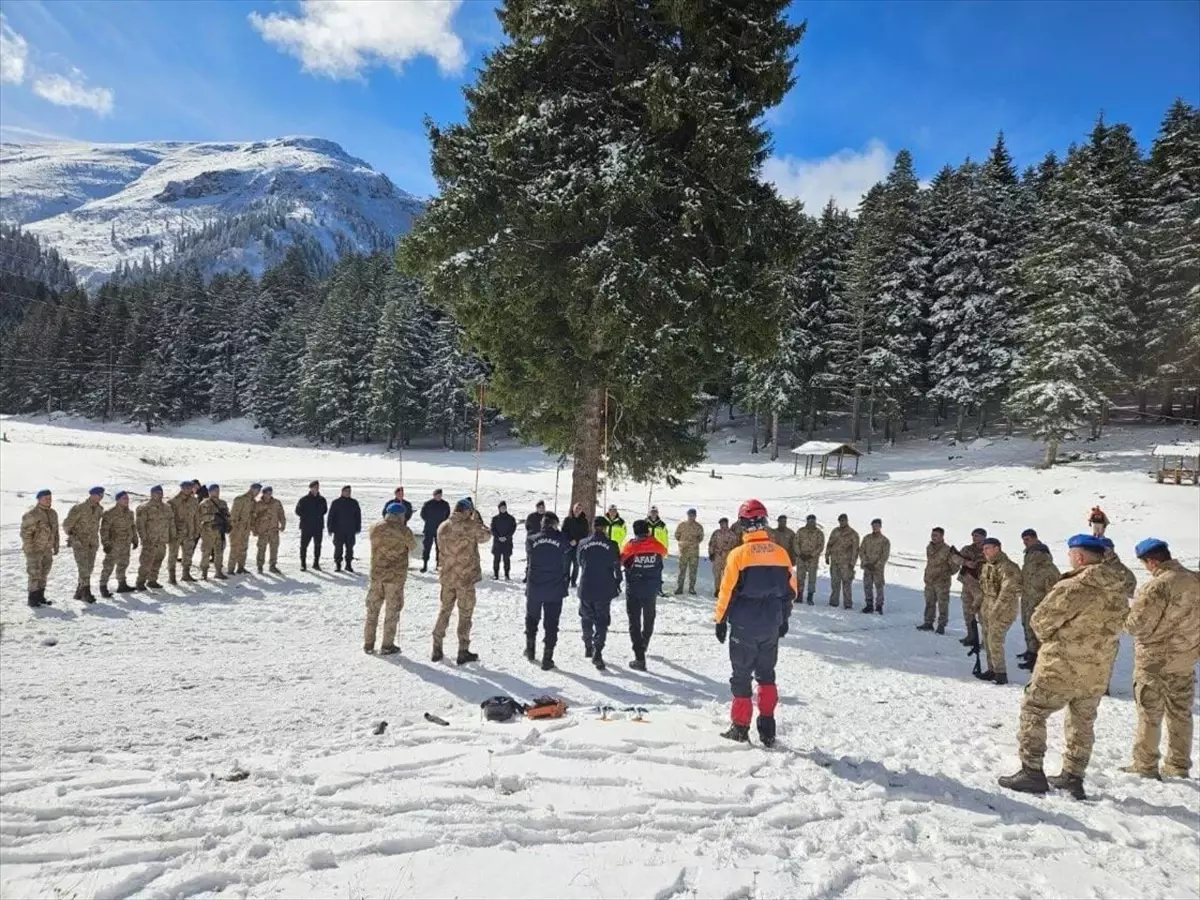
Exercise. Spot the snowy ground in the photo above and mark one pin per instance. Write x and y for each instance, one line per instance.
(116, 741)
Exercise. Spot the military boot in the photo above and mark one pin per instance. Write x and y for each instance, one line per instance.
(171, 577)
(388, 649)
(437, 654)
(140, 586)
(88, 596)
(1072, 784)
(124, 588)
(989, 675)
(598, 661)
(548, 659)
(33, 600)
(241, 570)
(274, 570)
(349, 567)
(833, 601)
(187, 576)
(588, 651)
(1027, 781)
(941, 629)
(638, 662)
(221, 576)
(41, 595)
(879, 608)
(105, 592)
(869, 607)
(154, 584)
(766, 730)
(466, 656)
(1167, 771)
(1000, 678)
(739, 733)
(530, 648)
(925, 626)
(809, 601)
(1152, 774)
(78, 593)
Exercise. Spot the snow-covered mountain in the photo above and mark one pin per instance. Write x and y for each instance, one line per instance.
(225, 205)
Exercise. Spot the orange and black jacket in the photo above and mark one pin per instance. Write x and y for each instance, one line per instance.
(759, 586)
(643, 561)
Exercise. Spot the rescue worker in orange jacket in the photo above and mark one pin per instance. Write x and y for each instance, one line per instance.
(753, 607)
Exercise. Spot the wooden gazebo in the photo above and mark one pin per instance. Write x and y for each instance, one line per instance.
(822, 455)
(1178, 463)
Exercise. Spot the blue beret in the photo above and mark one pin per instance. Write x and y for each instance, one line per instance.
(1149, 545)
(394, 509)
(121, 494)
(1087, 542)
(214, 487)
(464, 503)
(44, 492)
(1108, 543)
(157, 489)
(184, 484)
(256, 486)
(97, 490)
(991, 542)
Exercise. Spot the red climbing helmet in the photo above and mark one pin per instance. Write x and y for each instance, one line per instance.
(752, 514)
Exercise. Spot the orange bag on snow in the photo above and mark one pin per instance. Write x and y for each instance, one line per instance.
(546, 708)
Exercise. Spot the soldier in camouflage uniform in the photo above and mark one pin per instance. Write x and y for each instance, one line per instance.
(214, 523)
(391, 543)
(784, 537)
(722, 541)
(186, 509)
(809, 545)
(1038, 574)
(873, 555)
(841, 555)
(458, 540)
(1078, 624)
(118, 535)
(82, 528)
(968, 576)
(241, 523)
(688, 535)
(1165, 623)
(268, 522)
(39, 541)
(156, 531)
(999, 602)
(941, 564)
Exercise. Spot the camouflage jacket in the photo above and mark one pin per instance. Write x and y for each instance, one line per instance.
(785, 538)
(214, 515)
(82, 524)
(1128, 579)
(1165, 623)
(458, 540)
(809, 542)
(118, 528)
(1079, 623)
(688, 535)
(721, 542)
(874, 551)
(842, 546)
(155, 523)
(187, 516)
(39, 530)
(241, 514)
(1038, 573)
(1000, 591)
(391, 543)
(268, 517)
(941, 563)
(972, 563)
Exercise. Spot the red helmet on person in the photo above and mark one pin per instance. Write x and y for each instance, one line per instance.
(752, 514)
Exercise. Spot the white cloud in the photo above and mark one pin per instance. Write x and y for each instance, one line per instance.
(62, 90)
(845, 176)
(14, 54)
(341, 38)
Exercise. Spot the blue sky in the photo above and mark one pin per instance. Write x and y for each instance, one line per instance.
(940, 77)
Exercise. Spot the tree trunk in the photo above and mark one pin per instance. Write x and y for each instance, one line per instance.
(774, 435)
(588, 448)
(1166, 407)
(958, 425)
(1051, 453)
(1143, 399)
(754, 439)
(856, 414)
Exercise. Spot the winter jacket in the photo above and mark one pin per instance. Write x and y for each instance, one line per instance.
(310, 510)
(941, 564)
(972, 562)
(533, 525)
(187, 516)
(214, 516)
(1128, 579)
(599, 569)
(345, 517)
(458, 540)
(547, 581)
(504, 526)
(82, 524)
(433, 513)
(785, 538)
(155, 523)
(118, 528)
(810, 542)
(408, 510)
(874, 551)
(1000, 592)
(1038, 574)
(758, 587)
(241, 513)
(643, 562)
(842, 547)
(268, 516)
(722, 541)
(688, 535)
(39, 530)
(1165, 623)
(1078, 624)
(616, 529)
(391, 543)
(576, 528)
(658, 531)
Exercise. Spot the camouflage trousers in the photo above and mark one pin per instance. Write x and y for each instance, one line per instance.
(115, 560)
(718, 570)
(151, 560)
(268, 541)
(37, 567)
(970, 602)
(937, 603)
(1042, 701)
(388, 596)
(689, 565)
(1028, 605)
(841, 579)
(462, 596)
(85, 561)
(239, 545)
(806, 576)
(179, 553)
(1169, 697)
(212, 551)
(873, 585)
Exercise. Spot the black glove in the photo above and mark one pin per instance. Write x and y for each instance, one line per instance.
(783, 628)
(722, 630)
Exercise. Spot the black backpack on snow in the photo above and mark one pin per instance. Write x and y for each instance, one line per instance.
(501, 709)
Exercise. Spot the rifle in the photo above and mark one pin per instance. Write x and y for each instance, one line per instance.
(974, 651)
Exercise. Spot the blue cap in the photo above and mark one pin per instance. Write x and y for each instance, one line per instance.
(1108, 543)
(157, 489)
(121, 494)
(97, 491)
(394, 509)
(256, 486)
(44, 492)
(464, 503)
(1149, 545)
(184, 484)
(214, 487)
(1087, 542)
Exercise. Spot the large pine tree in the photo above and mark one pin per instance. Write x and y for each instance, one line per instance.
(601, 225)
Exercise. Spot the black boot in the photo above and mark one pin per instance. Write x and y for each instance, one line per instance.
(941, 629)
(989, 675)
(105, 592)
(466, 656)
(766, 730)
(436, 656)
(869, 608)
(78, 593)
(33, 600)
(88, 596)
(1072, 784)
(809, 601)
(879, 609)
(530, 648)
(41, 595)
(349, 567)
(739, 733)
(154, 584)
(124, 588)
(598, 661)
(337, 565)
(548, 659)
(1000, 678)
(927, 626)
(303, 566)
(316, 565)
(638, 662)
(588, 651)
(1027, 781)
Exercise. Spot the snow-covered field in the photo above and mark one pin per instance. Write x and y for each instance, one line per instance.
(117, 741)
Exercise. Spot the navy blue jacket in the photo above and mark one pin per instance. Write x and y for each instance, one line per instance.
(345, 517)
(599, 569)
(407, 509)
(576, 528)
(643, 561)
(310, 510)
(433, 513)
(504, 526)
(547, 568)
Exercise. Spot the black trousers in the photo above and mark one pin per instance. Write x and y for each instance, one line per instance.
(573, 564)
(343, 545)
(315, 538)
(752, 656)
(535, 610)
(429, 543)
(594, 619)
(502, 556)
(641, 621)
